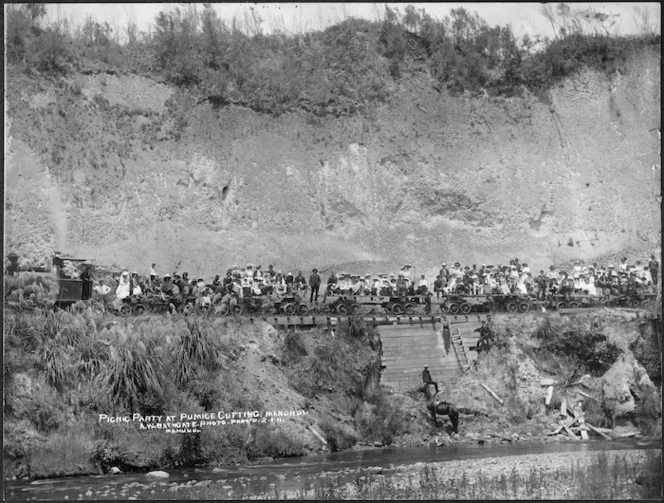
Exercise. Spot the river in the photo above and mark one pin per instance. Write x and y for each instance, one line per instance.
(286, 474)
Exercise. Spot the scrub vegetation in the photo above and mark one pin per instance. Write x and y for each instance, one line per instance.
(346, 69)
(62, 369)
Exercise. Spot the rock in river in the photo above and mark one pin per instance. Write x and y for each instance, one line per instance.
(157, 475)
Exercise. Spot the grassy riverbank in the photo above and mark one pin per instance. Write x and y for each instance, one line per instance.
(629, 474)
(64, 370)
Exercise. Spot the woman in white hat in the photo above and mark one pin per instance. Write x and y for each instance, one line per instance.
(122, 290)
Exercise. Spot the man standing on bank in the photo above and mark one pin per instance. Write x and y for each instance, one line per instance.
(426, 378)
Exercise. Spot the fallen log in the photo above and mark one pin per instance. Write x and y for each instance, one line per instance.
(556, 431)
(570, 433)
(625, 435)
(586, 395)
(566, 423)
(498, 399)
(549, 395)
(597, 430)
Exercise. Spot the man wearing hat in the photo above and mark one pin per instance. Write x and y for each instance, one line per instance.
(167, 286)
(402, 286)
(426, 378)
(331, 283)
(258, 273)
(376, 285)
(444, 271)
(300, 282)
(653, 267)
(422, 285)
(153, 273)
(367, 283)
(289, 282)
(314, 283)
(541, 282)
(438, 286)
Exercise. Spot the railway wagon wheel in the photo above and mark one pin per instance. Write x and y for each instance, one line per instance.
(354, 308)
(511, 307)
(289, 309)
(397, 309)
(573, 304)
(409, 308)
(465, 308)
(223, 310)
(342, 309)
(561, 305)
(125, 310)
(303, 309)
(453, 308)
(139, 309)
(237, 309)
(524, 307)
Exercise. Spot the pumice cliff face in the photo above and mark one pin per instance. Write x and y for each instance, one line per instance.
(128, 170)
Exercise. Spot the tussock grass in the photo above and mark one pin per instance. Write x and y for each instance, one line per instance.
(63, 366)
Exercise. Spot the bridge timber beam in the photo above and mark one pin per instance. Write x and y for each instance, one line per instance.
(333, 321)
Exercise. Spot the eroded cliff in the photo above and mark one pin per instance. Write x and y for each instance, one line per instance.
(128, 170)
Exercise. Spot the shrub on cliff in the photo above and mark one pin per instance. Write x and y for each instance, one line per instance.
(328, 369)
(44, 49)
(294, 348)
(337, 437)
(386, 421)
(589, 349)
(271, 441)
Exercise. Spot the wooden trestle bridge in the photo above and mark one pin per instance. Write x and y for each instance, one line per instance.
(445, 343)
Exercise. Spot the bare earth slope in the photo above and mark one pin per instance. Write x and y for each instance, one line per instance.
(127, 170)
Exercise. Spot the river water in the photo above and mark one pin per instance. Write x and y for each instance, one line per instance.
(286, 474)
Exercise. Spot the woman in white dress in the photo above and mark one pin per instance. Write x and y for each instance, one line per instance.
(123, 286)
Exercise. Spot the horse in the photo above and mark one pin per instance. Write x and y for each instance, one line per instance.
(442, 408)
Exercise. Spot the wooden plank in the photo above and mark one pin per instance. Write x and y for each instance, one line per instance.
(586, 395)
(596, 430)
(491, 392)
(603, 430)
(570, 433)
(569, 421)
(625, 435)
(556, 431)
(549, 395)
